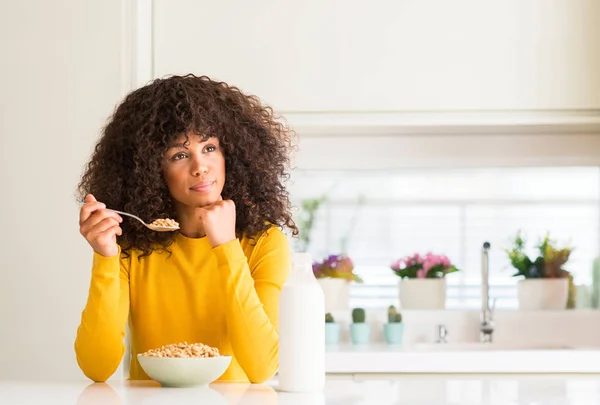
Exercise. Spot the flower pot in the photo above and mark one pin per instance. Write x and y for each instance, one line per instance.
(422, 293)
(360, 333)
(393, 332)
(543, 293)
(336, 291)
(332, 333)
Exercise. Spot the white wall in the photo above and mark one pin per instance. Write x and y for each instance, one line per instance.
(60, 78)
(427, 55)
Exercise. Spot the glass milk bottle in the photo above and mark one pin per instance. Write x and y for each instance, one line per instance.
(301, 329)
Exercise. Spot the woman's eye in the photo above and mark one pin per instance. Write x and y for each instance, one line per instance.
(210, 148)
(179, 156)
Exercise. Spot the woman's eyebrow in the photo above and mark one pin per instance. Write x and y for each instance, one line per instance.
(178, 145)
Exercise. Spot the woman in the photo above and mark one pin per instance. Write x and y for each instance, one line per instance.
(203, 153)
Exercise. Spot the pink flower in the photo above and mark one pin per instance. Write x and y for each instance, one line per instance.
(396, 265)
(420, 266)
(428, 264)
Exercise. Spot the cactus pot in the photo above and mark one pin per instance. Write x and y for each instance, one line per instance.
(360, 333)
(332, 333)
(393, 333)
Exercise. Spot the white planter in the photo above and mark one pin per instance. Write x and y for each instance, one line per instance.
(337, 293)
(549, 293)
(422, 293)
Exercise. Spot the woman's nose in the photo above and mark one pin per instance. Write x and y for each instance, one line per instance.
(199, 168)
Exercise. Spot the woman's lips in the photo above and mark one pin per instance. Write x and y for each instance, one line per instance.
(202, 187)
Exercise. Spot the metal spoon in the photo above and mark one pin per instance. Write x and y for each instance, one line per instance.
(156, 228)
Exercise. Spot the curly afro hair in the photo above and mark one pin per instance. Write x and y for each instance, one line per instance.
(125, 170)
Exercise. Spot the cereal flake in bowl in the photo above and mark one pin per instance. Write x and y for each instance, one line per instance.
(183, 364)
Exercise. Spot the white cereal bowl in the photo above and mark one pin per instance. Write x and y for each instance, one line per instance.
(184, 372)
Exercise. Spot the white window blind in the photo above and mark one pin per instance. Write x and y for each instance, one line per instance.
(389, 214)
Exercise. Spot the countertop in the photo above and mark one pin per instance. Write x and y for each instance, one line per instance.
(461, 358)
(422, 389)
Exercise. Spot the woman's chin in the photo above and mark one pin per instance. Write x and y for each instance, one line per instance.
(205, 202)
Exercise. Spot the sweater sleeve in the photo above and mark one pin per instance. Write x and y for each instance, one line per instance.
(99, 343)
(251, 289)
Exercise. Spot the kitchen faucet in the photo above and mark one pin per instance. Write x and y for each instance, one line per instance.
(486, 327)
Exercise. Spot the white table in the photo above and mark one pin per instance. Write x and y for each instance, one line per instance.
(422, 389)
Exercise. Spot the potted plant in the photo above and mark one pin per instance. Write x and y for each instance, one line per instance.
(334, 274)
(422, 281)
(545, 283)
(393, 329)
(306, 221)
(332, 330)
(360, 331)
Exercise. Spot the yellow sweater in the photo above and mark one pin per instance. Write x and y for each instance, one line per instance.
(226, 297)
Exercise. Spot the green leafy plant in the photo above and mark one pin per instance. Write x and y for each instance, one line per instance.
(548, 263)
(358, 315)
(333, 265)
(306, 220)
(393, 315)
(596, 283)
(353, 221)
(329, 318)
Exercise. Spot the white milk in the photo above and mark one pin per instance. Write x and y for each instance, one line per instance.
(301, 329)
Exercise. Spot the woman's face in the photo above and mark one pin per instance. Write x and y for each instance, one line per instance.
(194, 171)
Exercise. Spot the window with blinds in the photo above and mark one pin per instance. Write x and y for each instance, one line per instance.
(378, 216)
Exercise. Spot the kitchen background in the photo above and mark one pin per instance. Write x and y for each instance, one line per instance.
(383, 215)
(429, 126)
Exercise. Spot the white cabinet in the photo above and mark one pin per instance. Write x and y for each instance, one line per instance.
(389, 56)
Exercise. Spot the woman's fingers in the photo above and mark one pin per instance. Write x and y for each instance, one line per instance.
(101, 226)
(88, 209)
(96, 218)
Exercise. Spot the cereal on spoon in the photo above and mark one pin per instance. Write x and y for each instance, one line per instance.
(168, 222)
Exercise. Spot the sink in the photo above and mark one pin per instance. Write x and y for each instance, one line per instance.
(474, 346)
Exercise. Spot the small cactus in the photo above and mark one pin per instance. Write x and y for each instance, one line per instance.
(329, 318)
(393, 315)
(358, 315)
(391, 311)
